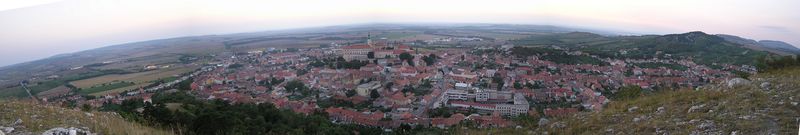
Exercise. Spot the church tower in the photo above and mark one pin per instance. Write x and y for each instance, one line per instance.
(369, 39)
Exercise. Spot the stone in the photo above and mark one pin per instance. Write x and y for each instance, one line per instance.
(660, 110)
(696, 107)
(543, 121)
(766, 85)
(736, 82)
(636, 119)
(632, 109)
(67, 131)
(17, 122)
(6, 129)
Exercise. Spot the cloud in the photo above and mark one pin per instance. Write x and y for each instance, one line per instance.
(16, 4)
(778, 29)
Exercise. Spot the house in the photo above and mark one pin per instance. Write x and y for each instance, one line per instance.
(364, 89)
(447, 122)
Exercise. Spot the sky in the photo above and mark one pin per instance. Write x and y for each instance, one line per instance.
(36, 29)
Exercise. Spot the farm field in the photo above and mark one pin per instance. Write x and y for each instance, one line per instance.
(397, 35)
(104, 87)
(118, 90)
(417, 37)
(60, 90)
(114, 82)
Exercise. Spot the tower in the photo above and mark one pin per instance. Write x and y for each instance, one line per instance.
(369, 39)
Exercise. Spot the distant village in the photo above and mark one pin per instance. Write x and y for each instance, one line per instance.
(384, 84)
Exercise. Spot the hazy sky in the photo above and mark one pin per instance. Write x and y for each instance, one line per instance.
(35, 29)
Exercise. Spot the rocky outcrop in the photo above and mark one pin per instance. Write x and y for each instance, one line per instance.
(68, 131)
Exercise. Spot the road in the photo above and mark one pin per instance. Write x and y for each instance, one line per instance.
(440, 85)
(25, 86)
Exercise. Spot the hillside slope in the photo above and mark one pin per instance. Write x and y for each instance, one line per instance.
(701, 47)
(29, 118)
(777, 47)
(766, 105)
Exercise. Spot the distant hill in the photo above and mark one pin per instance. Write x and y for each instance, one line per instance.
(701, 47)
(777, 47)
(568, 39)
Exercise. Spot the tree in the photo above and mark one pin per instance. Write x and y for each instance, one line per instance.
(86, 107)
(629, 72)
(295, 86)
(350, 93)
(499, 80)
(517, 85)
(186, 84)
(407, 57)
(628, 92)
(234, 66)
(440, 112)
(158, 113)
(300, 72)
(426, 83)
(430, 59)
(774, 63)
(371, 55)
(374, 94)
(199, 116)
(433, 56)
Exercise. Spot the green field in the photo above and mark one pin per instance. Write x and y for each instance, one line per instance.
(37, 87)
(396, 35)
(105, 87)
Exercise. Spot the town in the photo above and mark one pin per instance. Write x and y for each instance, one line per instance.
(388, 84)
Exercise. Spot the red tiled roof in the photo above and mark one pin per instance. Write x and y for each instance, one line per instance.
(357, 47)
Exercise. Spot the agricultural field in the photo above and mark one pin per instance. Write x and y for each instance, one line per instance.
(105, 86)
(418, 37)
(118, 90)
(396, 35)
(122, 82)
(45, 85)
(60, 90)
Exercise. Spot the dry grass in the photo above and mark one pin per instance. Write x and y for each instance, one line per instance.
(747, 110)
(39, 118)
